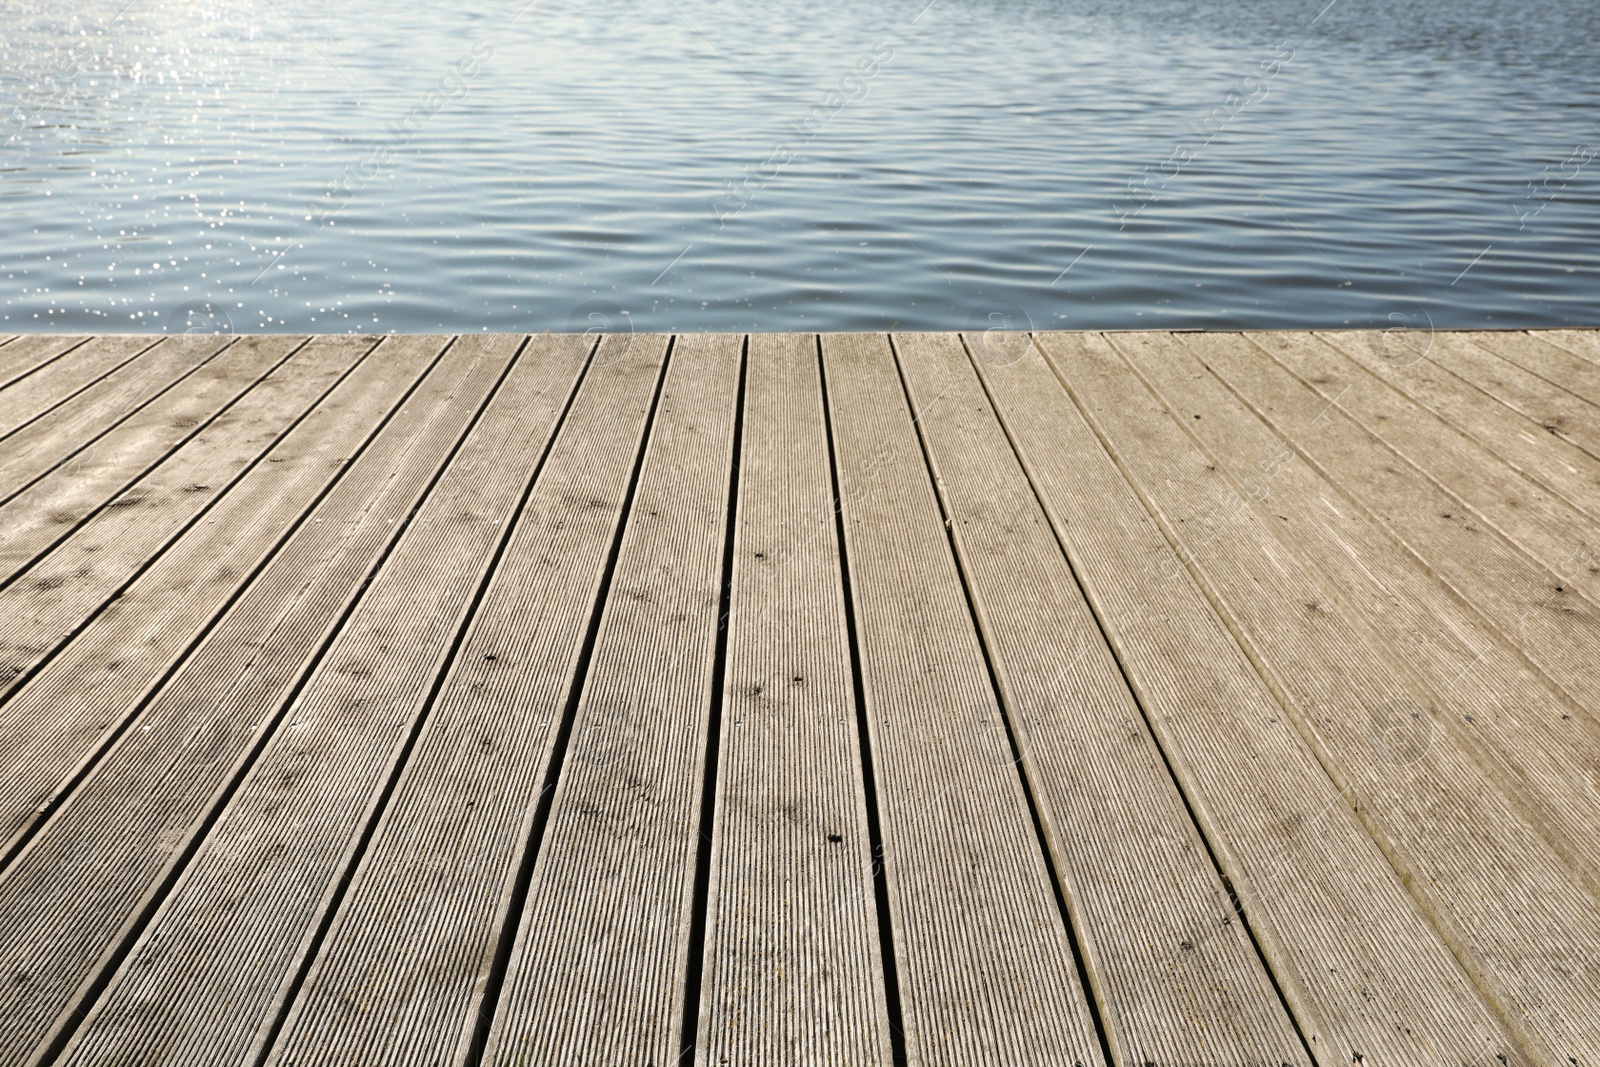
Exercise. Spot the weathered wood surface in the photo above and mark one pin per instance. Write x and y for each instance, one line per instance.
(97, 680)
(73, 425)
(926, 699)
(1317, 891)
(300, 802)
(793, 964)
(610, 904)
(33, 395)
(1127, 854)
(1511, 714)
(61, 468)
(1487, 881)
(969, 890)
(21, 356)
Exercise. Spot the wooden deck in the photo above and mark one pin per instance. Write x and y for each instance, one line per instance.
(1143, 698)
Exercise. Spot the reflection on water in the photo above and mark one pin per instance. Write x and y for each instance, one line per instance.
(712, 165)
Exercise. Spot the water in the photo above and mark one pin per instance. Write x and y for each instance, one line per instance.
(263, 165)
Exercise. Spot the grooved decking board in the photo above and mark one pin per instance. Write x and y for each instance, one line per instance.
(793, 970)
(1545, 526)
(47, 492)
(1133, 867)
(25, 355)
(602, 946)
(300, 802)
(1515, 919)
(225, 840)
(1543, 457)
(1556, 365)
(986, 964)
(1361, 966)
(1523, 730)
(74, 425)
(324, 772)
(106, 672)
(52, 596)
(445, 853)
(147, 807)
(61, 379)
(1549, 406)
(1551, 618)
(1585, 343)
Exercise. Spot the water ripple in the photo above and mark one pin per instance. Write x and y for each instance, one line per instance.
(716, 165)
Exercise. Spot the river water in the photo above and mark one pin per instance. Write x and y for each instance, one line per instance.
(682, 165)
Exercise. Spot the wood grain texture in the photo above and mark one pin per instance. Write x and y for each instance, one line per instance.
(74, 425)
(22, 356)
(84, 576)
(37, 394)
(603, 942)
(1563, 369)
(290, 820)
(1359, 962)
(1540, 523)
(445, 854)
(148, 805)
(1585, 343)
(1530, 736)
(1127, 853)
(1541, 456)
(793, 968)
(1501, 900)
(1549, 406)
(985, 960)
(87, 578)
(50, 484)
(1545, 609)
(1071, 699)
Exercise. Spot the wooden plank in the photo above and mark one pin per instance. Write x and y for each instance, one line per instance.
(609, 907)
(70, 924)
(63, 378)
(1563, 369)
(58, 485)
(24, 355)
(1126, 850)
(1528, 734)
(1513, 916)
(161, 683)
(52, 596)
(986, 966)
(73, 426)
(343, 765)
(1361, 966)
(1585, 343)
(76, 423)
(793, 969)
(57, 722)
(1550, 406)
(1547, 613)
(426, 1005)
(1542, 457)
(468, 794)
